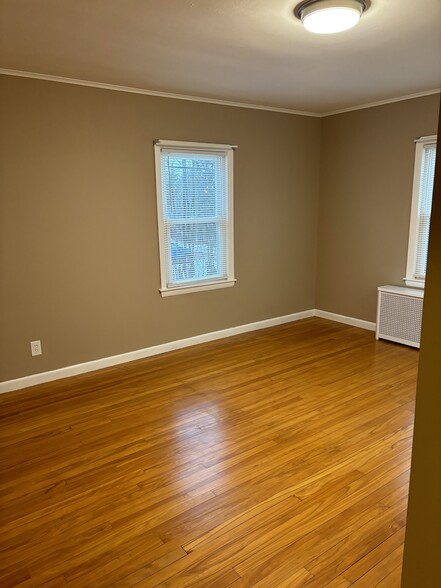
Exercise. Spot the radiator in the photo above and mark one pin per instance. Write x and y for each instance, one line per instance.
(399, 314)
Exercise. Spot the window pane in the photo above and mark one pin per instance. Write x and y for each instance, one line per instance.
(424, 209)
(192, 185)
(196, 252)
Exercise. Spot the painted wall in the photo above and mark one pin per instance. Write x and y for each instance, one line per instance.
(421, 567)
(79, 251)
(80, 266)
(365, 196)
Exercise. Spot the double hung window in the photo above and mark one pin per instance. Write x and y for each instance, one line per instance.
(424, 173)
(194, 183)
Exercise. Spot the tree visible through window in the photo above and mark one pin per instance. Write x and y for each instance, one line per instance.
(194, 184)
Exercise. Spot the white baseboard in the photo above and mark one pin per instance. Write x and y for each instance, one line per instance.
(97, 364)
(347, 320)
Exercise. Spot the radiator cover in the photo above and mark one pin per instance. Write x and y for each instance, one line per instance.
(399, 314)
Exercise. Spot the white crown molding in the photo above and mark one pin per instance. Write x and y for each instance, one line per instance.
(98, 364)
(104, 86)
(382, 102)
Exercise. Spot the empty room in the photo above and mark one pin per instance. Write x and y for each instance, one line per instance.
(220, 334)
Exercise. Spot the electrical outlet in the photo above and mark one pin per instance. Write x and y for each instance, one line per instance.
(36, 348)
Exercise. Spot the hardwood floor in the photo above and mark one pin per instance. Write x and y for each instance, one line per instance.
(278, 458)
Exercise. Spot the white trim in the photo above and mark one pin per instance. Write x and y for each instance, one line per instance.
(382, 102)
(98, 364)
(165, 143)
(413, 224)
(413, 283)
(347, 320)
(187, 289)
(160, 219)
(427, 139)
(130, 90)
(230, 227)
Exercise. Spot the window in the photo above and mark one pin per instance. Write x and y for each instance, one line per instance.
(194, 183)
(424, 173)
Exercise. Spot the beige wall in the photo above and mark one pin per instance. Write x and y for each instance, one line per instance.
(365, 195)
(80, 268)
(421, 568)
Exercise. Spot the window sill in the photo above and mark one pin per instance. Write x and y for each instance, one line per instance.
(197, 288)
(413, 283)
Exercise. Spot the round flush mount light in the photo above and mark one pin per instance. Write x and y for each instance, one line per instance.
(329, 16)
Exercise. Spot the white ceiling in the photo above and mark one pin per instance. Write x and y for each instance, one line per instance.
(252, 51)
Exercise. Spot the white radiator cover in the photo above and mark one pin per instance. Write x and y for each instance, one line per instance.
(399, 314)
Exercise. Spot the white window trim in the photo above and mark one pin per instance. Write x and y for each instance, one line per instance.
(165, 289)
(410, 279)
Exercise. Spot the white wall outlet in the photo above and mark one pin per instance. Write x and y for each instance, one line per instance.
(36, 348)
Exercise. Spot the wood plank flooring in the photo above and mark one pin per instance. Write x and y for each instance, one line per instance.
(278, 458)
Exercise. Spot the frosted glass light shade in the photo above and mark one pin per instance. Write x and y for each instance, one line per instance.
(331, 16)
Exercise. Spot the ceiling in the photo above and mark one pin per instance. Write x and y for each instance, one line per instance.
(250, 51)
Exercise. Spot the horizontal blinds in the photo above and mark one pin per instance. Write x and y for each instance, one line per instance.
(194, 206)
(424, 209)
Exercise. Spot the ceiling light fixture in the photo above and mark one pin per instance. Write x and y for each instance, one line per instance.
(329, 16)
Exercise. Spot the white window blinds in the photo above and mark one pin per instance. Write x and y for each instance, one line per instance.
(194, 215)
(423, 178)
(424, 209)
